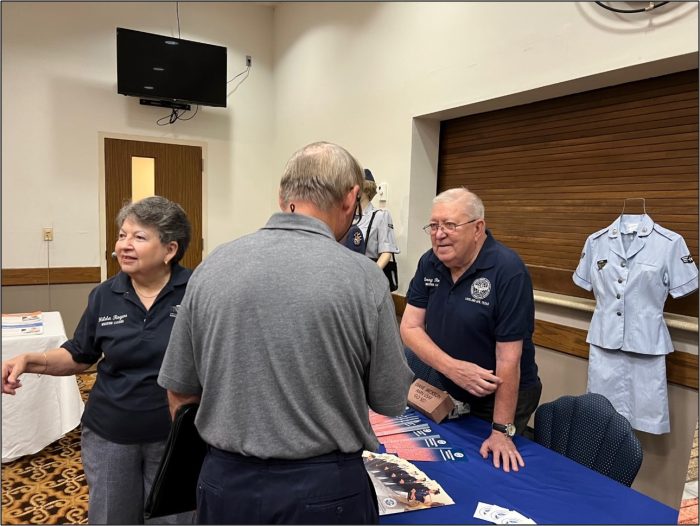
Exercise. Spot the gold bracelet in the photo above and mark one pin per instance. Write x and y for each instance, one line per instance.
(46, 365)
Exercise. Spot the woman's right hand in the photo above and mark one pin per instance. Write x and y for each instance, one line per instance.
(11, 370)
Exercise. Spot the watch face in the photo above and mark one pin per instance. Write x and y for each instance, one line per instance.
(506, 429)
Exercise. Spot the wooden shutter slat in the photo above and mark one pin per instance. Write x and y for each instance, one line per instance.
(552, 172)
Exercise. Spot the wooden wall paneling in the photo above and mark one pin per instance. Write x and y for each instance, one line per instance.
(552, 172)
(53, 276)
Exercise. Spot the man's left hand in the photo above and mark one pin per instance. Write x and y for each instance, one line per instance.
(504, 452)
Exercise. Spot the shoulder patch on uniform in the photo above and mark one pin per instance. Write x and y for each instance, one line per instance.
(668, 234)
(687, 259)
(601, 263)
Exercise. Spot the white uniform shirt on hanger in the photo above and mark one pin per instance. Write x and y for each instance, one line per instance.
(381, 237)
(631, 267)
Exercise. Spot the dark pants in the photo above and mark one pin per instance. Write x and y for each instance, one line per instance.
(329, 489)
(528, 399)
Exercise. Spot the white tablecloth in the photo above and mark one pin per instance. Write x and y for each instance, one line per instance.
(45, 408)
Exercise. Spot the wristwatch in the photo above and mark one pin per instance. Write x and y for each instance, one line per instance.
(507, 429)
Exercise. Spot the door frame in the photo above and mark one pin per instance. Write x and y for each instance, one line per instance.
(101, 136)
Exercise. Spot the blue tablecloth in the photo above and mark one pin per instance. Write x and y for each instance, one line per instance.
(550, 489)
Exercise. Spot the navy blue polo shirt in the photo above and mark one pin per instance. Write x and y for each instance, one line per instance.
(126, 405)
(492, 301)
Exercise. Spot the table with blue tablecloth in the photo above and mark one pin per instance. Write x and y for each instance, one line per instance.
(550, 489)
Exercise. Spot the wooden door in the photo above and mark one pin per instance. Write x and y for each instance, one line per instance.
(178, 177)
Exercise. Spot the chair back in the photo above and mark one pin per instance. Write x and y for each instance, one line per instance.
(589, 430)
(422, 370)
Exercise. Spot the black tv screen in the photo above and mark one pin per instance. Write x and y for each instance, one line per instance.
(159, 67)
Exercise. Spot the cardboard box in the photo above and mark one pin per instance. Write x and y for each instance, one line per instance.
(431, 401)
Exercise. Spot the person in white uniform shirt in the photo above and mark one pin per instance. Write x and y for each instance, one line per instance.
(632, 266)
(380, 241)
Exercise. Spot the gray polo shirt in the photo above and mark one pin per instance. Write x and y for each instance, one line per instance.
(289, 337)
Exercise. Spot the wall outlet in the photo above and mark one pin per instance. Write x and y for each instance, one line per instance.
(248, 61)
(383, 191)
(48, 234)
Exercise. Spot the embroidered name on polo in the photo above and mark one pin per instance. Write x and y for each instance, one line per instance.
(115, 319)
(431, 282)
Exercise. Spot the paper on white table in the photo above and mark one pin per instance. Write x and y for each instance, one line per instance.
(22, 323)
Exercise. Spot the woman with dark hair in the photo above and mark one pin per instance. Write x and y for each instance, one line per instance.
(126, 327)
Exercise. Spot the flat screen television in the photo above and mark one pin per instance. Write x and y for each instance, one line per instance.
(163, 68)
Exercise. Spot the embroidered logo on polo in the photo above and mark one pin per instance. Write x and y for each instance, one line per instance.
(481, 288)
(601, 263)
(115, 319)
(431, 282)
(687, 259)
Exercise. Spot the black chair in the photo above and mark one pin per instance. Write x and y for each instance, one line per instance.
(423, 370)
(589, 430)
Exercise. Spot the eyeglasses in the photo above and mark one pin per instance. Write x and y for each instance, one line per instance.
(447, 227)
(358, 214)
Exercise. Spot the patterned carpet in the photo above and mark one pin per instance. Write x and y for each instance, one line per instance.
(688, 513)
(49, 487)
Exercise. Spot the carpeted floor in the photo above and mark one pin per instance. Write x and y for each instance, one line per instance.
(49, 487)
(688, 512)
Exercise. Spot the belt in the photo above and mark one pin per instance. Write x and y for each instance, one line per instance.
(333, 456)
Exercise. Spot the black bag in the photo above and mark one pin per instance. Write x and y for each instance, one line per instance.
(391, 271)
(175, 487)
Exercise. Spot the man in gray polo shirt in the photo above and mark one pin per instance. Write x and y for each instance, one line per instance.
(286, 338)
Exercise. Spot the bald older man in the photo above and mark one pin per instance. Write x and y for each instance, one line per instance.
(470, 315)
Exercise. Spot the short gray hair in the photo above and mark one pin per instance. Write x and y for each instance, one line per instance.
(474, 207)
(166, 217)
(321, 173)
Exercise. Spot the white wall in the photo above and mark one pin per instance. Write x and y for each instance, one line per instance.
(358, 73)
(59, 94)
(354, 73)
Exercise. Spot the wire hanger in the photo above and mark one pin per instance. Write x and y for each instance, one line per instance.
(644, 204)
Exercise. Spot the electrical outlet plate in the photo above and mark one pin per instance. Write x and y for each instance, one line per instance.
(382, 191)
(248, 61)
(48, 234)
